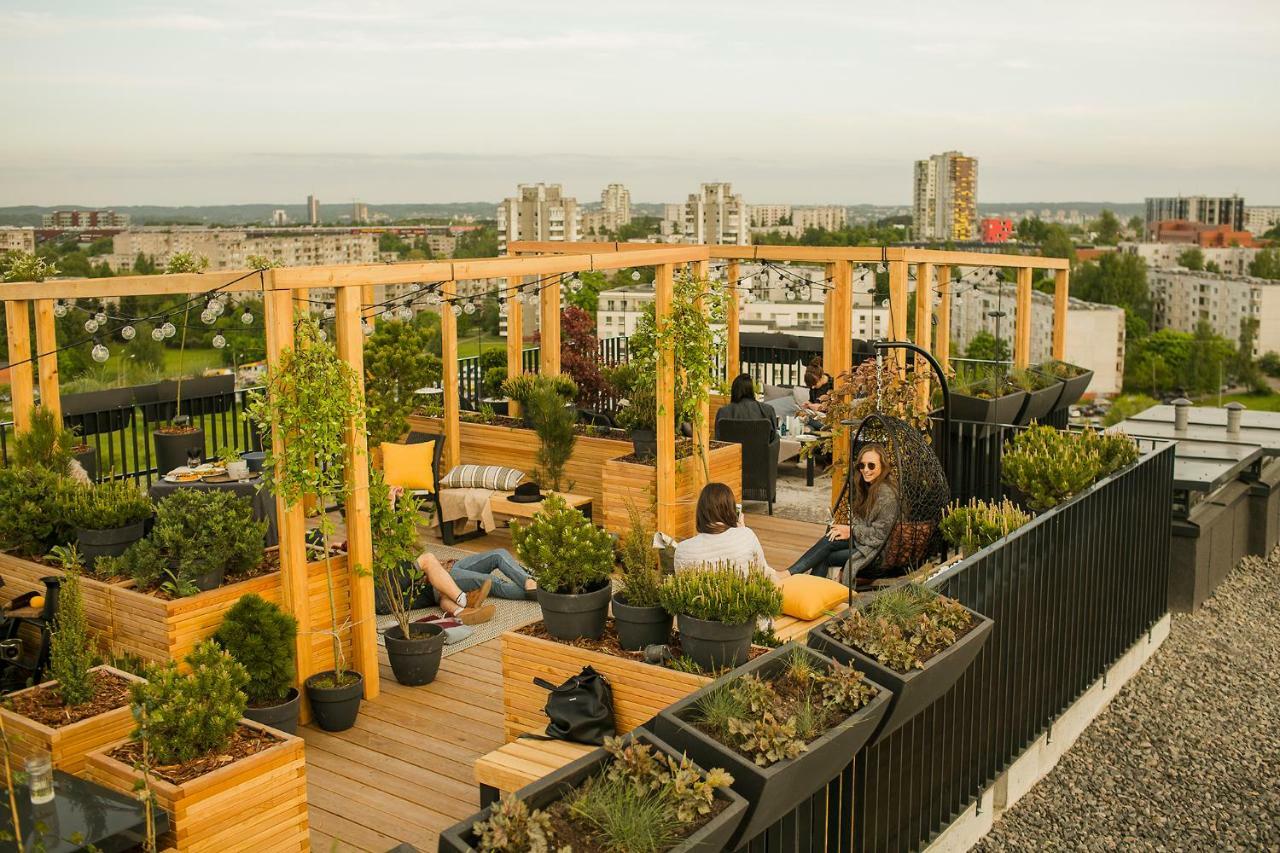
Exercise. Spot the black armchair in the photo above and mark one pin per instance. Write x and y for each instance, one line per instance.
(759, 457)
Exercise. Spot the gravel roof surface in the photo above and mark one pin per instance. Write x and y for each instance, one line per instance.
(1187, 756)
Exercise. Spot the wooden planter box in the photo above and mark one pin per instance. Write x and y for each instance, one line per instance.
(71, 743)
(628, 484)
(22, 575)
(640, 690)
(485, 444)
(258, 803)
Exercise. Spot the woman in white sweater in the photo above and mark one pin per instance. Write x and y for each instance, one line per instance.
(721, 537)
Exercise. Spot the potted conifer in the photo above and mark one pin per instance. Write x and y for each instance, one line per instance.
(716, 610)
(571, 559)
(109, 517)
(262, 638)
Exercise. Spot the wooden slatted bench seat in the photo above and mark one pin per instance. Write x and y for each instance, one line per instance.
(513, 765)
(788, 628)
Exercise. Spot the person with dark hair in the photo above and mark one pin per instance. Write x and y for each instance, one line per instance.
(722, 537)
(743, 405)
(860, 524)
(820, 384)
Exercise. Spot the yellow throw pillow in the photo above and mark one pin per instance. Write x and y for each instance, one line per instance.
(409, 465)
(807, 597)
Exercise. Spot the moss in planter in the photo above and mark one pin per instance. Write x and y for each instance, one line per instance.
(904, 627)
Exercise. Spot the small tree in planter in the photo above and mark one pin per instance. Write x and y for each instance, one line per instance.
(109, 517)
(414, 650)
(312, 398)
(521, 388)
(638, 614)
(45, 443)
(571, 559)
(973, 526)
(553, 422)
(261, 637)
(716, 608)
(635, 794)
(206, 535)
(35, 510)
(784, 725)
(398, 360)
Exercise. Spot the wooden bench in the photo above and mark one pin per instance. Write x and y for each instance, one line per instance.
(513, 765)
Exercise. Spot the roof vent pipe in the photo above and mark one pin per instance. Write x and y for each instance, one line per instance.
(1181, 414)
(1234, 411)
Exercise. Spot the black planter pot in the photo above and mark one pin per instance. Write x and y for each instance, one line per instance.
(255, 458)
(1074, 390)
(282, 717)
(415, 661)
(772, 791)
(638, 627)
(107, 543)
(712, 837)
(916, 690)
(88, 459)
(1038, 404)
(52, 594)
(645, 443)
(172, 449)
(500, 405)
(714, 645)
(1000, 410)
(335, 708)
(573, 617)
(209, 580)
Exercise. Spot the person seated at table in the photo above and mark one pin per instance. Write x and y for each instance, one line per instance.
(820, 384)
(722, 536)
(743, 405)
(874, 509)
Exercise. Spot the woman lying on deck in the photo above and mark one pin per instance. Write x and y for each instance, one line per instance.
(875, 510)
(722, 537)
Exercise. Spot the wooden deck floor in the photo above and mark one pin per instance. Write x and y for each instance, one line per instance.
(404, 771)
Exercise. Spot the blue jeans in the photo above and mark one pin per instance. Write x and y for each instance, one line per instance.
(470, 573)
(822, 555)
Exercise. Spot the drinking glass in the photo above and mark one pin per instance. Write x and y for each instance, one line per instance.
(40, 778)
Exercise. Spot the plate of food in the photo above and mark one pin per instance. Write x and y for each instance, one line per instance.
(182, 477)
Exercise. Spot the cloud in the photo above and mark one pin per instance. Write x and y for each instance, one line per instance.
(473, 42)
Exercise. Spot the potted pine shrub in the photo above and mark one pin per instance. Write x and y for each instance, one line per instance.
(783, 725)
(972, 526)
(35, 508)
(84, 707)
(634, 794)
(521, 388)
(313, 398)
(553, 422)
(108, 518)
(910, 639)
(262, 638)
(413, 649)
(717, 609)
(206, 534)
(571, 559)
(638, 614)
(1044, 467)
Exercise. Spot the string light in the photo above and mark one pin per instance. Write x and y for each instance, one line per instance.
(457, 309)
(169, 329)
(246, 318)
(100, 353)
(635, 275)
(157, 334)
(100, 317)
(208, 317)
(469, 308)
(59, 309)
(128, 332)
(366, 328)
(219, 342)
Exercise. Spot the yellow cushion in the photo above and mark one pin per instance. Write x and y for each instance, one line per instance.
(409, 465)
(807, 597)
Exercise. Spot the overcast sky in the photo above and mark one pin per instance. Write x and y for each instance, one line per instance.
(224, 102)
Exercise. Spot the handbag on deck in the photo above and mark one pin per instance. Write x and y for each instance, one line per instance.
(581, 709)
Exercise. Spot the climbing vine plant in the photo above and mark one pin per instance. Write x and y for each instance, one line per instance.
(312, 397)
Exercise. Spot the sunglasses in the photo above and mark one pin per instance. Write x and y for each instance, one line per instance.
(869, 466)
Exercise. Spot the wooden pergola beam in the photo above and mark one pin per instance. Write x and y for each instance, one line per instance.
(924, 325)
(1022, 319)
(449, 375)
(1061, 307)
(47, 358)
(664, 384)
(549, 328)
(733, 324)
(17, 317)
(515, 335)
(898, 307)
(942, 335)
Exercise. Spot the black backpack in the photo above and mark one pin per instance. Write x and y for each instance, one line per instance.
(581, 709)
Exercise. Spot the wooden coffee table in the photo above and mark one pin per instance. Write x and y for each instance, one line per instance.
(502, 505)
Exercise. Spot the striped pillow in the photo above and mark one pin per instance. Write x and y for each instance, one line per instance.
(494, 477)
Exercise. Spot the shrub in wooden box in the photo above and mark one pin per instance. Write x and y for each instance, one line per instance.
(640, 689)
(67, 744)
(257, 803)
(628, 484)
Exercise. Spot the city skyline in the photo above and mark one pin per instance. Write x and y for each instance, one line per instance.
(240, 104)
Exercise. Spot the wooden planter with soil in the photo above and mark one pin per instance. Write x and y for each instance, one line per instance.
(640, 690)
(256, 803)
(68, 744)
(22, 575)
(629, 483)
(516, 447)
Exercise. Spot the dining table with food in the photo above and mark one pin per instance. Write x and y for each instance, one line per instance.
(234, 478)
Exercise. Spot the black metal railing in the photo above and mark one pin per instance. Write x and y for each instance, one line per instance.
(1069, 593)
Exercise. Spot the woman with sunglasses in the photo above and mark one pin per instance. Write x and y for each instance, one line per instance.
(872, 509)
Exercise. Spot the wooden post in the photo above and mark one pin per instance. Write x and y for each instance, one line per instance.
(898, 307)
(1022, 319)
(295, 593)
(665, 393)
(367, 297)
(700, 270)
(364, 628)
(449, 373)
(47, 358)
(22, 393)
(549, 320)
(1061, 291)
(840, 361)
(942, 335)
(829, 319)
(515, 336)
(732, 354)
(924, 324)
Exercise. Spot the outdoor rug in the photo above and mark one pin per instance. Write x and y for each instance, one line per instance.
(507, 615)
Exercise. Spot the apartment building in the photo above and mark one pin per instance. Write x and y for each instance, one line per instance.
(1180, 299)
(359, 212)
(715, 215)
(230, 248)
(279, 217)
(769, 215)
(313, 210)
(538, 212)
(945, 198)
(829, 217)
(615, 205)
(17, 239)
(1230, 260)
(998, 229)
(1260, 220)
(85, 219)
(1209, 210)
(1095, 332)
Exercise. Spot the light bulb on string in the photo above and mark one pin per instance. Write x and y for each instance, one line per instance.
(405, 313)
(635, 275)
(366, 328)
(100, 353)
(457, 309)
(100, 317)
(169, 329)
(433, 299)
(214, 307)
(329, 312)
(91, 325)
(219, 342)
(128, 333)
(157, 334)
(469, 308)
(208, 317)
(246, 318)
(59, 309)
